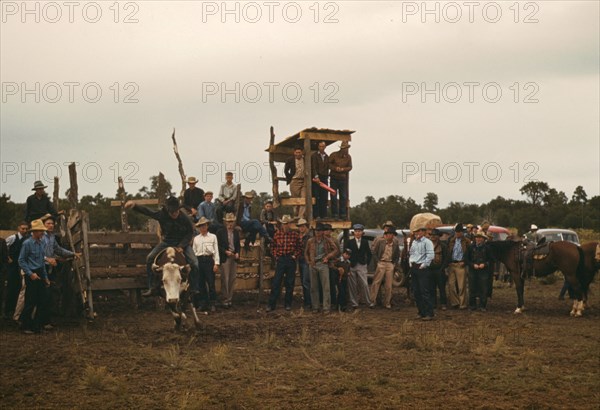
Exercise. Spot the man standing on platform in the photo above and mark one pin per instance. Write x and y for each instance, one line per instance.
(320, 173)
(340, 165)
(294, 177)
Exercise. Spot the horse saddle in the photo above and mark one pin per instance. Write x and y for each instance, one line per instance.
(541, 250)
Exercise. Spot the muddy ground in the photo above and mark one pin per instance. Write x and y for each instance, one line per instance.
(241, 358)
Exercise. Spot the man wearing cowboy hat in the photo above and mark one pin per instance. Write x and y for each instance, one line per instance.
(340, 165)
(286, 250)
(457, 274)
(386, 254)
(358, 285)
(438, 270)
(305, 235)
(228, 239)
(480, 260)
(192, 197)
(38, 204)
(14, 280)
(206, 249)
(252, 227)
(533, 236)
(319, 253)
(177, 231)
(421, 255)
(31, 261)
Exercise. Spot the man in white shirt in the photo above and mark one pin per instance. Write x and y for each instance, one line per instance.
(206, 248)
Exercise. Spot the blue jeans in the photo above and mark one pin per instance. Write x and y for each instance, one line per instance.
(286, 266)
(339, 203)
(421, 286)
(189, 257)
(252, 227)
(305, 275)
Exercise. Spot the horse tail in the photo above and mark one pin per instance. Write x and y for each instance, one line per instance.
(581, 277)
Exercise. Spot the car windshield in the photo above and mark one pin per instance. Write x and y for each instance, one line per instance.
(553, 237)
(571, 238)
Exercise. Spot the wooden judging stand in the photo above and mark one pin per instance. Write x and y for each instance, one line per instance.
(308, 139)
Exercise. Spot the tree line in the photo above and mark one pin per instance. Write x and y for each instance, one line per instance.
(543, 206)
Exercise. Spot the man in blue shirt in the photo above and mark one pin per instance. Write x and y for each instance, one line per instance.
(421, 255)
(208, 210)
(31, 261)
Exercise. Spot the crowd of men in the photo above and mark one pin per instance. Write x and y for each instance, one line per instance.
(31, 259)
(208, 234)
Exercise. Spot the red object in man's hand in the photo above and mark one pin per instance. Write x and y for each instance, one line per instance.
(325, 187)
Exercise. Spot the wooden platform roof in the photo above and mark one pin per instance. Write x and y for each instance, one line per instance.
(285, 148)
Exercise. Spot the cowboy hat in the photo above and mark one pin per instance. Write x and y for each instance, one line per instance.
(481, 234)
(230, 217)
(38, 185)
(388, 223)
(392, 230)
(48, 216)
(249, 195)
(344, 144)
(285, 219)
(533, 227)
(301, 222)
(172, 204)
(417, 228)
(192, 180)
(37, 225)
(202, 221)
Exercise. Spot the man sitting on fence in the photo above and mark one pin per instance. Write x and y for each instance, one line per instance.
(177, 231)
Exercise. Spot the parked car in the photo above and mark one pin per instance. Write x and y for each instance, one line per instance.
(499, 233)
(554, 235)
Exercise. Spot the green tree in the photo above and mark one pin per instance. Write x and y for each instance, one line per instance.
(535, 191)
(430, 202)
(579, 196)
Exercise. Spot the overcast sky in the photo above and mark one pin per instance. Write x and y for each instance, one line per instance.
(467, 101)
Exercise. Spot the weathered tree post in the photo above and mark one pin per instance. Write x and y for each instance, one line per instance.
(72, 193)
(181, 172)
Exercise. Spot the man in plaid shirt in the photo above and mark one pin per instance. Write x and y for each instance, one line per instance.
(286, 250)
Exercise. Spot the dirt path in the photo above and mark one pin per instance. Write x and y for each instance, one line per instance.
(369, 359)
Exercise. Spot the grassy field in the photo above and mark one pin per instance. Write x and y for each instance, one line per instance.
(376, 359)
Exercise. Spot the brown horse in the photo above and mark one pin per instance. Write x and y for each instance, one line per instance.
(564, 256)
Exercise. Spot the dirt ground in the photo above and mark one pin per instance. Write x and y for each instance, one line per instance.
(241, 358)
